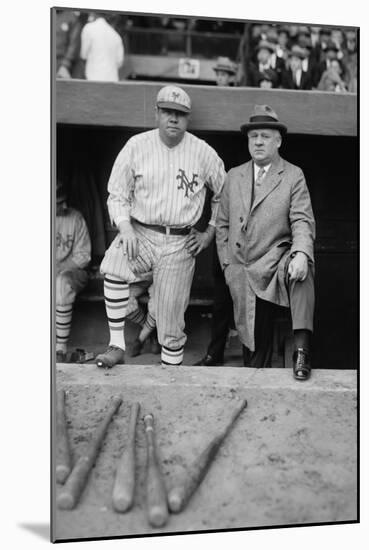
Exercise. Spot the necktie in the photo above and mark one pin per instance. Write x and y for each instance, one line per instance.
(260, 176)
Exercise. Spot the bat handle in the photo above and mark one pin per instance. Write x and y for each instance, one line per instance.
(63, 456)
(124, 486)
(156, 494)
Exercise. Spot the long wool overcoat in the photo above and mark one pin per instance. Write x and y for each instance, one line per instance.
(254, 244)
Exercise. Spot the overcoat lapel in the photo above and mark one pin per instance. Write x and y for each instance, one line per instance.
(245, 186)
(270, 182)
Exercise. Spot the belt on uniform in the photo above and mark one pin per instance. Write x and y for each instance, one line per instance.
(166, 228)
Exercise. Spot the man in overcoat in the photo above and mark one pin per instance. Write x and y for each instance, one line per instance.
(265, 235)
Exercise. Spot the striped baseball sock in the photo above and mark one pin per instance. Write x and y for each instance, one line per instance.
(150, 322)
(63, 326)
(116, 294)
(147, 327)
(171, 356)
(137, 316)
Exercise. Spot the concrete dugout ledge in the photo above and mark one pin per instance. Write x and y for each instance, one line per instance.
(289, 460)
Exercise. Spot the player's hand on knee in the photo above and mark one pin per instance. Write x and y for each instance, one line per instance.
(127, 240)
(298, 267)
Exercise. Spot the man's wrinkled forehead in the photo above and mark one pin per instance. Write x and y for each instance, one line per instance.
(266, 131)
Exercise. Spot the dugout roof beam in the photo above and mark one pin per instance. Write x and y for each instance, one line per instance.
(131, 104)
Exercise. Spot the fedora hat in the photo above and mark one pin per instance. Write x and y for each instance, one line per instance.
(284, 28)
(299, 52)
(265, 45)
(226, 65)
(61, 194)
(303, 29)
(331, 46)
(263, 116)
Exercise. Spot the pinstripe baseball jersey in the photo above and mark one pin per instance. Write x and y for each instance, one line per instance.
(73, 246)
(156, 184)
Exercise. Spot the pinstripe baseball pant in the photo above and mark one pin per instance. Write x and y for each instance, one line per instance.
(68, 284)
(172, 270)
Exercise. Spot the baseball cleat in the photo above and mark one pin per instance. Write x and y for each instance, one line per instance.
(112, 356)
(61, 356)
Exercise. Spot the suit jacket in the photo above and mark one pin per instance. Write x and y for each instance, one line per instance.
(306, 81)
(320, 68)
(255, 242)
(254, 75)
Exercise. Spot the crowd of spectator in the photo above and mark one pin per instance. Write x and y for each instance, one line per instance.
(302, 58)
(298, 57)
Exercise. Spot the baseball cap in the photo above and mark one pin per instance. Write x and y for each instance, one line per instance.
(61, 194)
(173, 97)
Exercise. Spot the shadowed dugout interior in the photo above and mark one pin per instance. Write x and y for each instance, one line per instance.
(85, 157)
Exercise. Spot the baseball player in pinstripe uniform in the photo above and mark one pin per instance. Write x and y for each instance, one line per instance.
(156, 195)
(73, 253)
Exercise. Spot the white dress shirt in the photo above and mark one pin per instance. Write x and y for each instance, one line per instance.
(102, 49)
(258, 168)
(298, 75)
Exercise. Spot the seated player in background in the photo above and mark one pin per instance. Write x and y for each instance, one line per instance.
(73, 254)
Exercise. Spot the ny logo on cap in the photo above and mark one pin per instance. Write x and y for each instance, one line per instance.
(175, 96)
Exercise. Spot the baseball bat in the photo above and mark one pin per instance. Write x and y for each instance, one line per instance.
(63, 456)
(180, 494)
(156, 494)
(77, 479)
(124, 484)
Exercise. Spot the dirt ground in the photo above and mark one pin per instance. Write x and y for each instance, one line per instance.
(290, 459)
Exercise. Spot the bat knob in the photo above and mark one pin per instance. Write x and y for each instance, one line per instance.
(62, 472)
(158, 516)
(65, 501)
(122, 504)
(176, 499)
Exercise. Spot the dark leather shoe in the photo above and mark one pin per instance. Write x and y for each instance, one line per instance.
(136, 347)
(301, 364)
(208, 361)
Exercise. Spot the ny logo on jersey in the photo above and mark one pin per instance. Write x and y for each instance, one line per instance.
(185, 183)
(66, 243)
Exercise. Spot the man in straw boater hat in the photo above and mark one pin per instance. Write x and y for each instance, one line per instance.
(265, 238)
(157, 191)
(225, 72)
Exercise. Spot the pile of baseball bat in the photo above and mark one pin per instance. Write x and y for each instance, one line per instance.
(159, 501)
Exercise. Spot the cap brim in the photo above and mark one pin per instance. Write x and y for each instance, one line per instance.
(224, 69)
(271, 50)
(260, 125)
(299, 56)
(173, 106)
